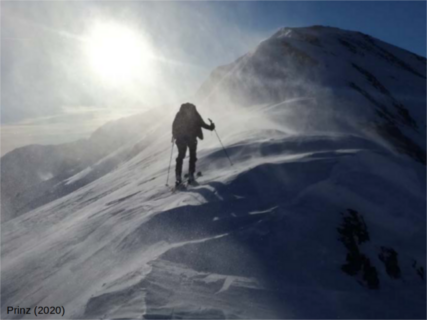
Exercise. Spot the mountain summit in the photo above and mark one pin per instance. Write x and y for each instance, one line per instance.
(342, 80)
(322, 214)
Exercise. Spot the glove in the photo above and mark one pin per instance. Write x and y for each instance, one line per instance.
(212, 125)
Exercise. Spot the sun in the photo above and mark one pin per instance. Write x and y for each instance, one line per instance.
(117, 53)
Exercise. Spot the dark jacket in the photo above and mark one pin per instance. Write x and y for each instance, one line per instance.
(188, 124)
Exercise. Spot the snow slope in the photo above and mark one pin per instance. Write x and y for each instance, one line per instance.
(325, 220)
(31, 176)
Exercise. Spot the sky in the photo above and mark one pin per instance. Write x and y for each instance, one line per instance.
(68, 67)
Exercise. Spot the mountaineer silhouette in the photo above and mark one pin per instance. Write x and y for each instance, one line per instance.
(186, 128)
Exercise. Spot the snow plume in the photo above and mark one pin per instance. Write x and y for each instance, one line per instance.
(307, 111)
(282, 100)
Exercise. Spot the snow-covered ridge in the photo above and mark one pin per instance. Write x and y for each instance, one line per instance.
(319, 217)
(382, 88)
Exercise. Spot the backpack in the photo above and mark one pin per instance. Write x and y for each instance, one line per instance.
(187, 123)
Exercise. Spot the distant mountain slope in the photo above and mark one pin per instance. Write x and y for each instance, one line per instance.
(31, 172)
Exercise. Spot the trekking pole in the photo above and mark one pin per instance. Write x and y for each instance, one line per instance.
(170, 162)
(223, 148)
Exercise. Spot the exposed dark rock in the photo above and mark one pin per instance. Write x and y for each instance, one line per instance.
(349, 46)
(390, 131)
(370, 274)
(354, 232)
(388, 56)
(353, 228)
(403, 144)
(382, 110)
(389, 257)
(371, 78)
(402, 111)
(419, 270)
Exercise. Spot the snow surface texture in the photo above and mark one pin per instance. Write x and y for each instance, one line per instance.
(322, 214)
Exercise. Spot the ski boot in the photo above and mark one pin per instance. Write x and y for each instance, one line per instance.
(191, 180)
(178, 182)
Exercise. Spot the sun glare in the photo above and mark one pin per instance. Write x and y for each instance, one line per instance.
(117, 53)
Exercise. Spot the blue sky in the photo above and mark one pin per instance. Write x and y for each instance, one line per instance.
(51, 92)
(402, 23)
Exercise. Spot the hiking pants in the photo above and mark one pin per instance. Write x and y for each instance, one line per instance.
(182, 145)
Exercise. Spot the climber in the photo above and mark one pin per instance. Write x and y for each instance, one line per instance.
(186, 128)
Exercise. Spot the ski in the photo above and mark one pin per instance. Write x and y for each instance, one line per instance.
(193, 183)
(181, 187)
(187, 183)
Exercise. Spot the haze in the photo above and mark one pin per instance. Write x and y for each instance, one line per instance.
(69, 67)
